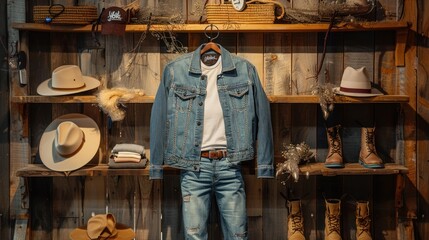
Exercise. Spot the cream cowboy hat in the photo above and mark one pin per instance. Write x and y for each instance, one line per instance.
(69, 142)
(355, 83)
(103, 226)
(67, 79)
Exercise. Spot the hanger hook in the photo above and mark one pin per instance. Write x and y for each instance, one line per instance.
(210, 36)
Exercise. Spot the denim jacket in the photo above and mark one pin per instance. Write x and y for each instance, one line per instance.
(177, 118)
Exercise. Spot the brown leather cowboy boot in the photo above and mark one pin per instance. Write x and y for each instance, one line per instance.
(368, 154)
(295, 221)
(332, 219)
(363, 221)
(334, 159)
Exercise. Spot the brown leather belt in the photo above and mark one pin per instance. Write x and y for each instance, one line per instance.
(214, 154)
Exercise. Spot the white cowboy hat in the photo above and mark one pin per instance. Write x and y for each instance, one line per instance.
(69, 142)
(355, 83)
(67, 79)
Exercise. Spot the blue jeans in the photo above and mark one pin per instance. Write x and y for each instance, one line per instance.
(224, 180)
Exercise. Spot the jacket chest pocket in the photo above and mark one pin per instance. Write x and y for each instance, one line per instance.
(239, 97)
(184, 98)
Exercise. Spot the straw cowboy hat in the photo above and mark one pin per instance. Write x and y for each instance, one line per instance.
(69, 142)
(355, 83)
(103, 226)
(65, 80)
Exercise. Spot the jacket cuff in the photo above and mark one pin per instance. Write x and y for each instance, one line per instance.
(265, 171)
(156, 172)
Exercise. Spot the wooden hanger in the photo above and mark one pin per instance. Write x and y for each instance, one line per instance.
(210, 46)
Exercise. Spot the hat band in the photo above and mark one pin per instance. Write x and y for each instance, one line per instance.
(355, 90)
(106, 234)
(66, 88)
(72, 153)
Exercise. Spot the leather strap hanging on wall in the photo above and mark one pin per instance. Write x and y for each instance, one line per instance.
(94, 29)
(53, 13)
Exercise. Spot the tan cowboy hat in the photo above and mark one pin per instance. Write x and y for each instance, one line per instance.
(69, 142)
(67, 79)
(102, 226)
(355, 83)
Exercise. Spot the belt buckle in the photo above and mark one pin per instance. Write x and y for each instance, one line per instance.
(216, 154)
(213, 154)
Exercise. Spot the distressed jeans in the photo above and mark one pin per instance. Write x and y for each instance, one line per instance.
(223, 180)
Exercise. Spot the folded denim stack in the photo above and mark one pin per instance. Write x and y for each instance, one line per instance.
(127, 155)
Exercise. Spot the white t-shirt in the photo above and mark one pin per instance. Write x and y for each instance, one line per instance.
(214, 125)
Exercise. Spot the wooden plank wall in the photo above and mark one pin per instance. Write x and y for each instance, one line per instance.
(286, 62)
(423, 136)
(423, 120)
(407, 83)
(19, 147)
(4, 129)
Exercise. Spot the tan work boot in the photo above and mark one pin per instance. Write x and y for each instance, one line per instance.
(363, 221)
(368, 154)
(332, 219)
(334, 159)
(295, 221)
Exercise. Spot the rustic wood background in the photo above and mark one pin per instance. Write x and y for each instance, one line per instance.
(286, 63)
(4, 125)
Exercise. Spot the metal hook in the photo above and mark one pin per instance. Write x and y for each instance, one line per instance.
(210, 37)
(13, 48)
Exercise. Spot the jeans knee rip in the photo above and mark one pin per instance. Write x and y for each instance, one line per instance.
(187, 198)
(192, 230)
(241, 235)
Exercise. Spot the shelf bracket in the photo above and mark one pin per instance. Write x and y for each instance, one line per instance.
(25, 194)
(401, 42)
(399, 191)
(20, 229)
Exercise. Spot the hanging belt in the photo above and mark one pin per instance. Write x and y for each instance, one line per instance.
(214, 154)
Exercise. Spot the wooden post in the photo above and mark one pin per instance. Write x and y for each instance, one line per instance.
(19, 139)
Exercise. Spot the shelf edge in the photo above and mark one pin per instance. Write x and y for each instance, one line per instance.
(39, 170)
(199, 28)
(273, 99)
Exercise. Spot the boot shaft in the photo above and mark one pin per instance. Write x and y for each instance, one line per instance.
(368, 140)
(295, 221)
(362, 209)
(334, 140)
(334, 159)
(332, 219)
(333, 207)
(363, 221)
(368, 156)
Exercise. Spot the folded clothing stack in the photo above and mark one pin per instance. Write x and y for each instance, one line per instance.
(127, 155)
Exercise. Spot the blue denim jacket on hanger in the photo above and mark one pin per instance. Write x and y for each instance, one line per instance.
(176, 123)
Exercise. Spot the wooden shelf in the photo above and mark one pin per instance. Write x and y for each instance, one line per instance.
(72, 99)
(198, 28)
(39, 170)
(351, 169)
(273, 99)
(340, 99)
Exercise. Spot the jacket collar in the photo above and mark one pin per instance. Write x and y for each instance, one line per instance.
(227, 63)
